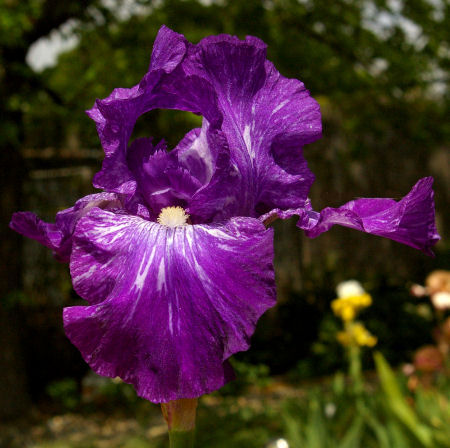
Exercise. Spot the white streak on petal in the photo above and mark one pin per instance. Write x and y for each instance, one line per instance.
(282, 104)
(248, 141)
(219, 233)
(143, 271)
(161, 275)
(168, 306)
(170, 318)
(85, 274)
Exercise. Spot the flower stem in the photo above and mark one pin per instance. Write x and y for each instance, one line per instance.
(180, 417)
(355, 369)
(181, 439)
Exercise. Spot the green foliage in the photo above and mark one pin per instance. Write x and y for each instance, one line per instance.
(322, 415)
(382, 417)
(16, 19)
(251, 374)
(397, 403)
(429, 429)
(64, 393)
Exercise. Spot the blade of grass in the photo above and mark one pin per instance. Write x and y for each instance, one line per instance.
(352, 438)
(397, 403)
(316, 431)
(378, 428)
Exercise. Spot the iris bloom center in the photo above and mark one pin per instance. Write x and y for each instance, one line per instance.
(173, 217)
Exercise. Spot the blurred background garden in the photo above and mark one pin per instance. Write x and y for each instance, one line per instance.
(380, 71)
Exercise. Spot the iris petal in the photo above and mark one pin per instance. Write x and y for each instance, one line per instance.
(410, 221)
(58, 236)
(168, 305)
(160, 178)
(264, 118)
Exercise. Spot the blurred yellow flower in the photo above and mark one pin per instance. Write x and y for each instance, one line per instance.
(363, 336)
(356, 334)
(343, 338)
(351, 299)
(347, 307)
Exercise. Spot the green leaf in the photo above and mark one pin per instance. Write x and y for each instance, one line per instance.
(352, 438)
(378, 428)
(397, 403)
(293, 431)
(397, 435)
(316, 431)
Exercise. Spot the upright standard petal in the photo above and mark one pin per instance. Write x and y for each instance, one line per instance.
(160, 179)
(266, 119)
(410, 221)
(168, 306)
(216, 200)
(165, 86)
(116, 115)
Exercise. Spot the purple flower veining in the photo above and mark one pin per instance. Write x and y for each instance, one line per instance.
(173, 257)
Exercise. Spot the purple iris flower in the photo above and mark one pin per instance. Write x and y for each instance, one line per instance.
(174, 257)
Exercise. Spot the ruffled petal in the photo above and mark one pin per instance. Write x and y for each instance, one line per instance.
(58, 236)
(165, 86)
(168, 305)
(168, 50)
(29, 225)
(217, 200)
(116, 115)
(160, 178)
(276, 213)
(410, 221)
(266, 119)
(197, 154)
